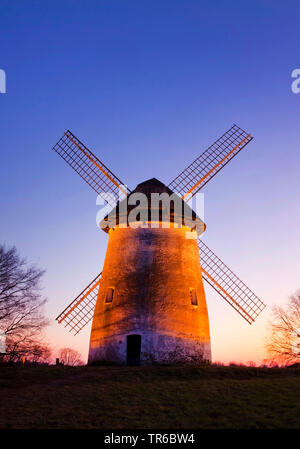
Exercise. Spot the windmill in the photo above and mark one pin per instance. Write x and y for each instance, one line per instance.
(148, 303)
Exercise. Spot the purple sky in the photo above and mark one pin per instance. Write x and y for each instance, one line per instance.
(148, 86)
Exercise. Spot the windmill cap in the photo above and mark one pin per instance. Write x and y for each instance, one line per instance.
(152, 185)
(154, 203)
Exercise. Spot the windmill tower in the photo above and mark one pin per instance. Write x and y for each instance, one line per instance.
(148, 304)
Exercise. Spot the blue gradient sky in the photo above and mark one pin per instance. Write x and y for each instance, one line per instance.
(148, 85)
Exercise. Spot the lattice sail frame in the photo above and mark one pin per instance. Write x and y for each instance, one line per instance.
(102, 180)
(210, 162)
(81, 310)
(187, 183)
(229, 285)
(94, 172)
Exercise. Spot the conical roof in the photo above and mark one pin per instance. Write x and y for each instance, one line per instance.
(152, 185)
(152, 201)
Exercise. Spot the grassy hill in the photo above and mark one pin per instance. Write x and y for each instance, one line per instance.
(149, 397)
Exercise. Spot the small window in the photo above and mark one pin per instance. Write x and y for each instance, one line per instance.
(193, 294)
(110, 294)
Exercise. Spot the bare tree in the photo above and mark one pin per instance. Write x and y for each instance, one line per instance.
(283, 344)
(70, 357)
(22, 318)
(40, 353)
(35, 350)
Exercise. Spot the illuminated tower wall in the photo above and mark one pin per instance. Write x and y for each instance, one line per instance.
(151, 303)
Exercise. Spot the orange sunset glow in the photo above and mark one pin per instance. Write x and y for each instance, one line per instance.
(149, 235)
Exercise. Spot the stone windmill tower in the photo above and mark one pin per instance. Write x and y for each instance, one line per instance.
(148, 304)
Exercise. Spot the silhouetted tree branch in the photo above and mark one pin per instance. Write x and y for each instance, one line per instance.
(22, 317)
(70, 357)
(283, 344)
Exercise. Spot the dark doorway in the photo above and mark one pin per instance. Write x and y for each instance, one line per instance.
(134, 350)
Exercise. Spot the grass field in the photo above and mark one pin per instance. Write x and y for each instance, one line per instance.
(166, 397)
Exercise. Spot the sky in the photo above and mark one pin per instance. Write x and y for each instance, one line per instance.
(147, 86)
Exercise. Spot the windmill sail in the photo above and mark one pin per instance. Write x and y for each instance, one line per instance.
(228, 285)
(80, 311)
(89, 167)
(210, 162)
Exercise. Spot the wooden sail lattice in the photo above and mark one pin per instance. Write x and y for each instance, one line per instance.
(81, 310)
(210, 162)
(229, 285)
(94, 172)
